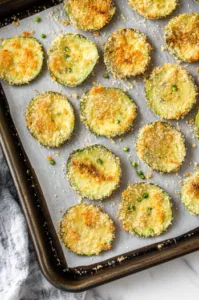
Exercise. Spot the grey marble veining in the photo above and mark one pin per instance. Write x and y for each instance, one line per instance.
(177, 279)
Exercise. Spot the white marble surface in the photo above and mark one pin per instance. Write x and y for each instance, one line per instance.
(177, 279)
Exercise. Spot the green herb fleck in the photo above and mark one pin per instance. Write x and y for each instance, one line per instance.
(139, 199)
(174, 88)
(37, 19)
(66, 49)
(149, 210)
(69, 70)
(106, 75)
(52, 162)
(145, 195)
(43, 36)
(99, 161)
(151, 230)
(140, 174)
(66, 56)
(118, 121)
(126, 149)
(132, 207)
(134, 164)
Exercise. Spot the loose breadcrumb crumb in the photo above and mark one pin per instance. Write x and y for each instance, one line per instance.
(191, 122)
(16, 23)
(96, 33)
(65, 22)
(74, 96)
(148, 176)
(121, 258)
(163, 48)
(49, 157)
(28, 33)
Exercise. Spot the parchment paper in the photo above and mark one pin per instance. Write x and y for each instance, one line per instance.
(58, 193)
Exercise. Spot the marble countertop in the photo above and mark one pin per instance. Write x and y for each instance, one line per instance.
(177, 279)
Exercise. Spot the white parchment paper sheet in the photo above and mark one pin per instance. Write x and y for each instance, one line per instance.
(57, 191)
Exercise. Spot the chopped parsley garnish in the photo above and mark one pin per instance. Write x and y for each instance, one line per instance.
(134, 164)
(139, 199)
(174, 88)
(151, 230)
(149, 210)
(132, 207)
(141, 174)
(52, 162)
(99, 161)
(126, 149)
(145, 195)
(37, 19)
(106, 75)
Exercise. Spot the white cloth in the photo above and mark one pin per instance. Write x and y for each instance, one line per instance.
(20, 276)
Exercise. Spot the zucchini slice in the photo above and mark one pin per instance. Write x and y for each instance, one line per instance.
(197, 125)
(182, 37)
(71, 58)
(93, 172)
(161, 147)
(50, 119)
(21, 60)
(154, 9)
(171, 91)
(86, 229)
(127, 53)
(90, 14)
(107, 111)
(190, 193)
(145, 210)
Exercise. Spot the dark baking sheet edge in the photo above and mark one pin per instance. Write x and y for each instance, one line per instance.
(42, 232)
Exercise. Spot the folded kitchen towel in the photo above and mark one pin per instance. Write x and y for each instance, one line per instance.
(20, 276)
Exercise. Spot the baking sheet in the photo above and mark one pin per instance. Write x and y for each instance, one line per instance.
(58, 193)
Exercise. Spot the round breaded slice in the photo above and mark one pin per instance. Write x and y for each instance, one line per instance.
(50, 119)
(182, 37)
(190, 193)
(93, 172)
(90, 15)
(86, 229)
(145, 210)
(170, 91)
(161, 146)
(71, 58)
(107, 111)
(21, 60)
(154, 9)
(127, 53)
